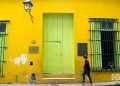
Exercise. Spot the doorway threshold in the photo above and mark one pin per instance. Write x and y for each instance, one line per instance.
(58, 78)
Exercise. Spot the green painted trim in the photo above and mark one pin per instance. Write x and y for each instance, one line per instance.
(96, 45)
(58, 40)
(2, 50)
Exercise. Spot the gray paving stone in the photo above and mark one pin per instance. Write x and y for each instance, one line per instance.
(87, 84)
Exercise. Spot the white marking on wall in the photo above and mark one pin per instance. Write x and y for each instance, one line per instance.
(22, 59)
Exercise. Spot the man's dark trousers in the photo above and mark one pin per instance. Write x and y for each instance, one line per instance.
(88, 74)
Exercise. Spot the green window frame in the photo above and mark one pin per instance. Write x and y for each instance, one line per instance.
(104, 31)
(2, 45)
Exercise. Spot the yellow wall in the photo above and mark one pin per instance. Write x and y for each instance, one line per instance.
(21, 31)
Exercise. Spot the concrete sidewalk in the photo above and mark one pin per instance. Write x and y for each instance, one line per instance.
(87, 84)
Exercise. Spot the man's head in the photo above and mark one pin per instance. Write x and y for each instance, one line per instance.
(85, 57)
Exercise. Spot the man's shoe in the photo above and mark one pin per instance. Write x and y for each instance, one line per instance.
(83, 83)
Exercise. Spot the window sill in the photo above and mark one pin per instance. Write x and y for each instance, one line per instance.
(106, 70)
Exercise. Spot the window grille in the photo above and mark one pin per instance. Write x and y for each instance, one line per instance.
(2, 45)
(105, 44)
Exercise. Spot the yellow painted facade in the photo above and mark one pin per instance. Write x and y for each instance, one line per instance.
(21, 31)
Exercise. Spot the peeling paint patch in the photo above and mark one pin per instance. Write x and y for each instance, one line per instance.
(21, 59)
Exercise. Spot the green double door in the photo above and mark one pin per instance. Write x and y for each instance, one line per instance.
(58, 48)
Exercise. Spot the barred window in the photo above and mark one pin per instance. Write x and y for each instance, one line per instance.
(2, 45)
(105, 44)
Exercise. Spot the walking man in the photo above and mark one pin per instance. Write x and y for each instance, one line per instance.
(86, 70)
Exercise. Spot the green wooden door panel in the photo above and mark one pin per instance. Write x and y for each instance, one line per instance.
(52, 60)
(68, 57)
(58, 52)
